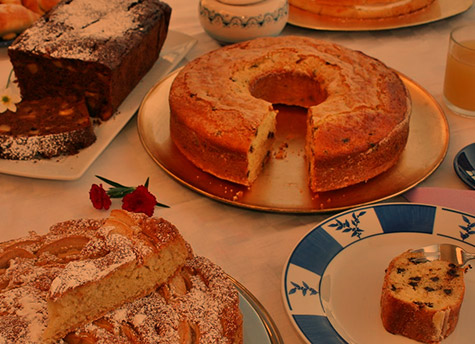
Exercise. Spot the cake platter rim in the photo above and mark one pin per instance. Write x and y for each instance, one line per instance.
(307, 274)
(447, 9)
(160, 148)
(73, 167)
(257, 320)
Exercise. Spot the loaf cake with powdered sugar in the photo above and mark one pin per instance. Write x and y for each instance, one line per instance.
(97, 49)
(81, 269)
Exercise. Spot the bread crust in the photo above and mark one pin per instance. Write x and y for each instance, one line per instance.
(14, 18)
(358, 109)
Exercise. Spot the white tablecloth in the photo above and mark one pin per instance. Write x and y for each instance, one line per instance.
(251, 246)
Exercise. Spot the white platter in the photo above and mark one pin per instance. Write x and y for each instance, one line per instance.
(176, 46)
(332, 280)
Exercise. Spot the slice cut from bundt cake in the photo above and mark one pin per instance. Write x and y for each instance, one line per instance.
(421, 301)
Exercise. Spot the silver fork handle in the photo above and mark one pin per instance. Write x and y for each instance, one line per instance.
(466, 256)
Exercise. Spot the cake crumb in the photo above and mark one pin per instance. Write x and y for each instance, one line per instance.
(282, 151)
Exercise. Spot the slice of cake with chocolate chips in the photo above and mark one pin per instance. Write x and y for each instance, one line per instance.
(45, 128)
(421, 301)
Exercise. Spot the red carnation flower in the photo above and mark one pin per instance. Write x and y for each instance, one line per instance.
(99, 197)
(139, 201)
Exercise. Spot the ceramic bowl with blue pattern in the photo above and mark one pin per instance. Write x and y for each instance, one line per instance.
(231, 21)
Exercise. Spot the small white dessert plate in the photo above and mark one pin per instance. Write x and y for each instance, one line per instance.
(332, 281)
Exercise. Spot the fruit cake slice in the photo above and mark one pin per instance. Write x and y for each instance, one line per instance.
(421, 300)
(45, 128)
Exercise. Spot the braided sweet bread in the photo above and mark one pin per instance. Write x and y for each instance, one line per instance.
(81, 269)
(199, 304)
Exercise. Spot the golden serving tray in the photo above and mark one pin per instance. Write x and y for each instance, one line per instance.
(282, 185)
(440, 9)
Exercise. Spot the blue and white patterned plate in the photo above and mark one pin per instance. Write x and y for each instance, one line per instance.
(332, 280)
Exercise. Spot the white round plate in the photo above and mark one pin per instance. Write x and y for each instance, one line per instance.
(333, 278)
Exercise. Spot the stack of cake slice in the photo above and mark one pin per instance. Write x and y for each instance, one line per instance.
(71, 283)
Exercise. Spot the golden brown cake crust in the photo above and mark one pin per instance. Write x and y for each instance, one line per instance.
(80, 270)
(358, 109)
(361, 9)
(199, 304)
(421, 301)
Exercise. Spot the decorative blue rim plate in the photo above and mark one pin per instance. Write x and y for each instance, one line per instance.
(5, 43)
(332, 280)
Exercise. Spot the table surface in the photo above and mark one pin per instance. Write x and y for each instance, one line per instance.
(251, 246)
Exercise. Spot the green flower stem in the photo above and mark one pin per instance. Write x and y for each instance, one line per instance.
(9, 78)
(118, 190)
(162, 205)
(110, 182)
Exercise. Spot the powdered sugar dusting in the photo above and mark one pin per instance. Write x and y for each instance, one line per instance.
(97, 19)
(24, 315)
(31, 147)
(51, 265)
(74, 28)
(161, 316)
(78, 273)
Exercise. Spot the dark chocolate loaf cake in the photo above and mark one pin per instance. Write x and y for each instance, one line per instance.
(98, 49)
(45, 128)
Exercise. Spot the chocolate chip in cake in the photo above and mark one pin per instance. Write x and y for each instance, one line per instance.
(434, 279)
(448, 291)
(453, 273)
(429, 289)
(400, 270)
(418, 303)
